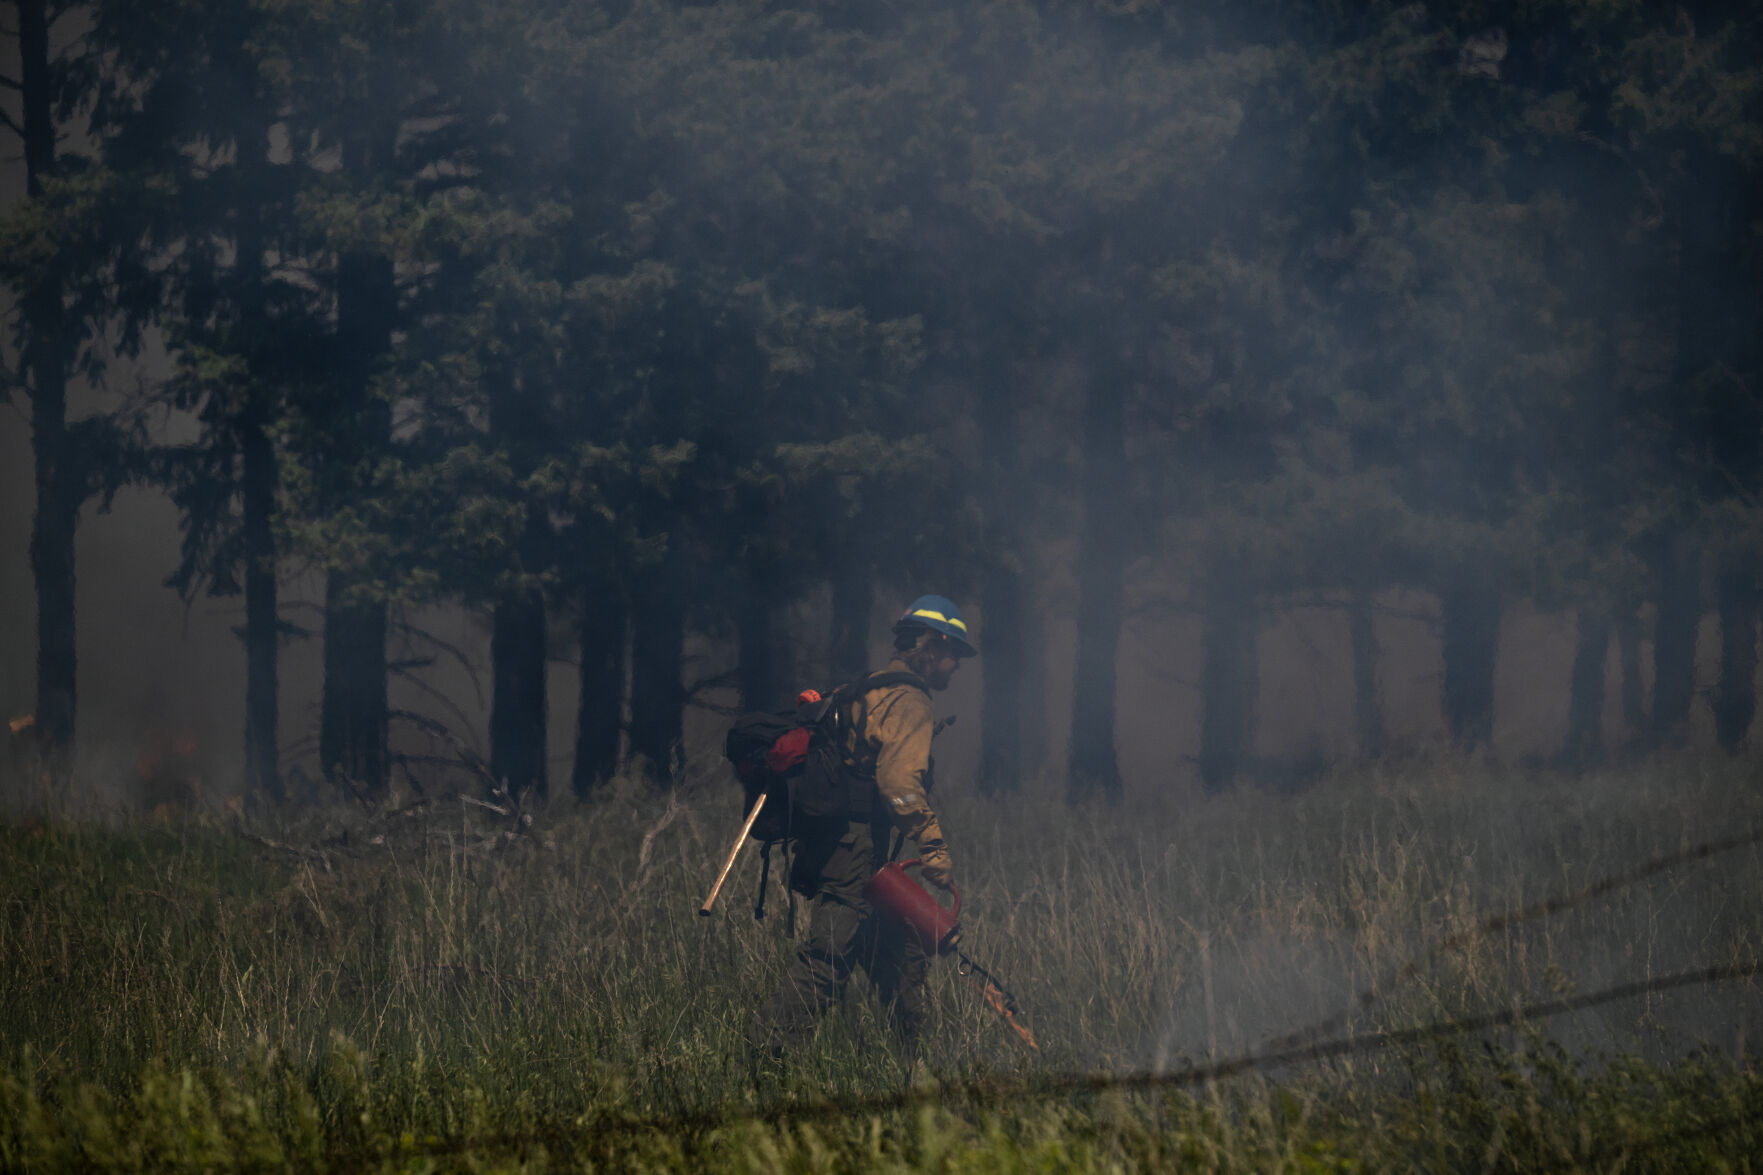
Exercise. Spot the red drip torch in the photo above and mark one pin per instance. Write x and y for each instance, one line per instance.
(906, 902)
(938, 929)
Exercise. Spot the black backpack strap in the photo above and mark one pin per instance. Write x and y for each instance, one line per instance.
(764, 876)
(886, 678)
(838, 703)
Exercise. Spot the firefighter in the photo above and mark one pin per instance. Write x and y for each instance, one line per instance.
(888, 767)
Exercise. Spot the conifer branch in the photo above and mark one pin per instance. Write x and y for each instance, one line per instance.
(10, 83)
(7, 122)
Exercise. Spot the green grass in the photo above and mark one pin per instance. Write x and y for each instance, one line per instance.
(434, 990)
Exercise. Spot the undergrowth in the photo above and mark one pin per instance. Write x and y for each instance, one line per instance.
(453, 987)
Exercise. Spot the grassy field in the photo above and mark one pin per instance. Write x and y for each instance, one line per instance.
(452, 988)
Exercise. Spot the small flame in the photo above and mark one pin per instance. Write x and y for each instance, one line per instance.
(160, 753)
(1002, 1006)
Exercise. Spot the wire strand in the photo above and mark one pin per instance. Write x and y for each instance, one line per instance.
(1411, 970)
(1047, 1087)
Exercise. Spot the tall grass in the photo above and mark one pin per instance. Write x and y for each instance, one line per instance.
(452, 985)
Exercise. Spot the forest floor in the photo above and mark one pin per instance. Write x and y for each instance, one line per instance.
(451, 987)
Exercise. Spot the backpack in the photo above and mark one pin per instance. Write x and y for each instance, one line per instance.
(797, 759)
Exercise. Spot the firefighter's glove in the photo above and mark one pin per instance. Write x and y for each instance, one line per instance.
(935, 866)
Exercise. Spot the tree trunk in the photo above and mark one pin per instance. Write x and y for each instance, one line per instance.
(1000, 750)
(1585, 702)
(1101, 576)
(1470, 604)
(258, 476)
(1735, 700)
(52, 552)
(853, 603)
(519, 711)
(517, 699)
(1704, 406)
(45, 360)
(600, 710)
(1230, 673)
(1628, 664)
(352, 725)
(1674, 641)
(262, 766)
(353, 718)
(658, 636)
(1034, 674)
(1367, 711)
(1001, 594)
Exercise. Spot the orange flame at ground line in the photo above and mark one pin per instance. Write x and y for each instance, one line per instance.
(995, 998)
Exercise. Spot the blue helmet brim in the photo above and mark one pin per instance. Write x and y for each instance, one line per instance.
(952, 627)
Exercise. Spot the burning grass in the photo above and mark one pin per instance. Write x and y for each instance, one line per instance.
(452, 984)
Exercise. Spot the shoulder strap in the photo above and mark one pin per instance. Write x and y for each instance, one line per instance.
(834, 703)
(886, 678)
(838, 705)
(857, 687)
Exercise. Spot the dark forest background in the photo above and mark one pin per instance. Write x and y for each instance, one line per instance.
(644, 329)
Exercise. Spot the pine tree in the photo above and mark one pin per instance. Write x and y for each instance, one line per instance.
(56, 256)
(187, 110)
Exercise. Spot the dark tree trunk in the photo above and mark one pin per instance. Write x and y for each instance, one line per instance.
(353, 720)
(45, 361)
(658, 638)
(1034, 673)
(352, 723)
(759, 672)
(258, 476)
(517, 701)
(519, 710)
(1674, 641)
(1735, 701)
(1230, 673)
(1717, 343)
(853, 603)
(1367, 710)
(1000, 751)
(52, 552)
(261, 627)
(1470, 605)
(1705, 412)
(37, 94)
(1585, 701)
(1001, 594)
(1101, 577)
(1628, 663)
(600, 711)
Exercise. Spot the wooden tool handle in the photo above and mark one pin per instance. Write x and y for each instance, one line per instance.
(740, 843)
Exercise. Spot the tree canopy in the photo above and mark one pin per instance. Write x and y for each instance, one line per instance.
(623, 321)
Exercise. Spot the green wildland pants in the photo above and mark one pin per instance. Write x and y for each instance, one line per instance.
(830, 869)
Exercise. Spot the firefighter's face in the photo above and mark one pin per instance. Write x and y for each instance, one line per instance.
(942, 663)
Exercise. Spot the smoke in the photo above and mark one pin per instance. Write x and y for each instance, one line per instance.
(150, 663)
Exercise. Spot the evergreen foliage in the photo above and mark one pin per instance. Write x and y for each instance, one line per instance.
(623, 322)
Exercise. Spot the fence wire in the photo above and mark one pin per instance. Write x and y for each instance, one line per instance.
(1054, 1086)
(1291, 1050)
(1412, 969)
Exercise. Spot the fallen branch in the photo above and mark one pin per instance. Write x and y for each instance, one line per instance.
(674, 808)
(304, 854)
